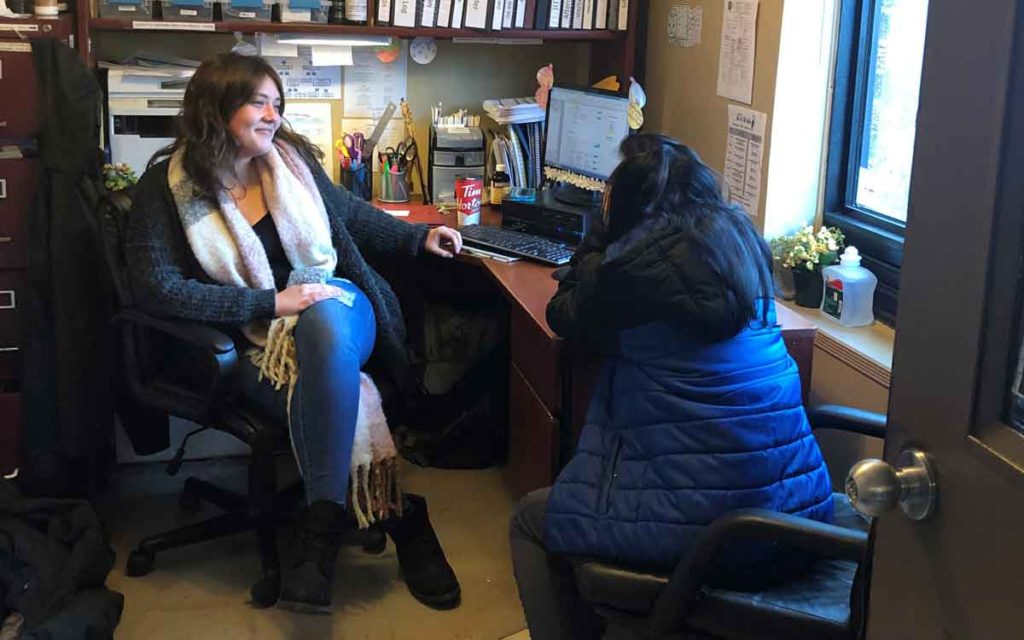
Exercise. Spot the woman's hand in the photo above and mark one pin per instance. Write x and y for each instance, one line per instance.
(444, 242)
(298, 297)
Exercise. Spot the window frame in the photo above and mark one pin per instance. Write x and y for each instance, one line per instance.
(878, 238)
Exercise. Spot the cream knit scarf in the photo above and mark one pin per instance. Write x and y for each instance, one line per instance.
(230, 253)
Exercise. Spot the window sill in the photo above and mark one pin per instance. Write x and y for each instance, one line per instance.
(868, 350)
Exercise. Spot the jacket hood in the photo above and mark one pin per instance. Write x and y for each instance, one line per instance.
(656, 273)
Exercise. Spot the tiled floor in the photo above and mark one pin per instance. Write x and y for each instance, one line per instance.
(201, 592)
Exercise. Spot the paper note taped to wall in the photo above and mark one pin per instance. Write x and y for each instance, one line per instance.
(736, 58)
(303, 80)
(270, 47)
(313, 120)
(744, 148)
(684, 25)
(331, 56)
(371, 84)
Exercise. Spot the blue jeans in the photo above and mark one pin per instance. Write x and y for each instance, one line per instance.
(333, 341)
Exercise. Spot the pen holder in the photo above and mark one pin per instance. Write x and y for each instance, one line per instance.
(358, 181)
(394, 187)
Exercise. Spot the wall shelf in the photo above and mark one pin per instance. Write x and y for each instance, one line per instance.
(114, 24)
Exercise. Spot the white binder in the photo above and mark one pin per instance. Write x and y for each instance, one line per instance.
(458, 11)
(555, 15)
(444, 13)
(405, 13)
(497, 15)
(427, 18)
(506, 19)
(601, 20)
(476, 14)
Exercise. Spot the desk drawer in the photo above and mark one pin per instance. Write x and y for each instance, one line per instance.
(19, 100)
(17, 189)
(12, 286)
(537, 356)
(532, 437)
(10, 411)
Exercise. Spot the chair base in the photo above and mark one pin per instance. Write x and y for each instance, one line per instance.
(239, 517)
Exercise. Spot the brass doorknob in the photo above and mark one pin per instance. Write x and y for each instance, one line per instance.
(875, 487)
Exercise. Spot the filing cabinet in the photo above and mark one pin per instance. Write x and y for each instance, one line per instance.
(19, 100)
(19, 123)
(17, 186)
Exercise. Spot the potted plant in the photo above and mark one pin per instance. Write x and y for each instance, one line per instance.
(118, 176)
(805, 253)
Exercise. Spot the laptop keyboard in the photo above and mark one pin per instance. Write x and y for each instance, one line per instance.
(517, 243)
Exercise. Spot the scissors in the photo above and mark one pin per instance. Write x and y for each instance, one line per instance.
(399, 158)
(353, 146)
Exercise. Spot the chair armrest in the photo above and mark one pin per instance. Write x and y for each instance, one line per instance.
(831, 416)
(195, 333)
(828, 540)
(216, 372)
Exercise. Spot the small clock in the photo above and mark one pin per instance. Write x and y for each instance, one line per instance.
(423, 50)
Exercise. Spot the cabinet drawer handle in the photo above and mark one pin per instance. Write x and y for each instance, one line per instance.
(8, 349)
(3, 184)
(5, 238)
(7, 299)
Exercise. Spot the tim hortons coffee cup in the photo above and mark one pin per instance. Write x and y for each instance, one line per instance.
(468, 194)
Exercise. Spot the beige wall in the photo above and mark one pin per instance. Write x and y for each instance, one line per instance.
(835, 382)
(462, 75)
(682, 82)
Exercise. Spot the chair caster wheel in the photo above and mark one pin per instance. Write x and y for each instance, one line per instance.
(375, 541)
(266, 591)
(188, 501)
(140, 562)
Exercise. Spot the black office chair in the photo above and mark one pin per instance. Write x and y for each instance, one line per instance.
(827, 602)
(187, 369)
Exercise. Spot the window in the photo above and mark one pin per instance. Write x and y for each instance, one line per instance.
(871, 147)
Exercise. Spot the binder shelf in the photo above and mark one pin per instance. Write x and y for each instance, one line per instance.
(113, 24)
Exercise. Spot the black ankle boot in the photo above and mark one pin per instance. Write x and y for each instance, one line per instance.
(307, 586)
(424, 568)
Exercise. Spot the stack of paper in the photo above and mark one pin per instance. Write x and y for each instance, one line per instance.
(514, 110)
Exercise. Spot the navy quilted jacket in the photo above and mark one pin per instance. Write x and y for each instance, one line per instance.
(679, 430)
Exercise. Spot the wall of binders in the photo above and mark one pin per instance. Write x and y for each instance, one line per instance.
(506, 15)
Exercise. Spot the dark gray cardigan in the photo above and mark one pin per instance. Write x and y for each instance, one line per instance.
(168, 281)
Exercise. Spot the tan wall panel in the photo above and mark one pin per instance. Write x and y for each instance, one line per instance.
(682, 82)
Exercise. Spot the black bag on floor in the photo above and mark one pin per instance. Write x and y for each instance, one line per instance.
(458, 419)
(54, 559)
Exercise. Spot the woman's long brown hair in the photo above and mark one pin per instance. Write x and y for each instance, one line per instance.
(218, 89)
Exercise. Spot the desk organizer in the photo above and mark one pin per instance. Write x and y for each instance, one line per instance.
(126, 9)
(305, 10)
(359, 181)
(187, 10)
(247, 10)
(394, 187)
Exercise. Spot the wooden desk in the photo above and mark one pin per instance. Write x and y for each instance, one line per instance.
(549, 386)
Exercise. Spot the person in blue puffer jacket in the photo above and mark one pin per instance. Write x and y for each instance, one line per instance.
(697, 411)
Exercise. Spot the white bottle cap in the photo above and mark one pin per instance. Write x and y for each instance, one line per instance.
(499, 167)
(850, 257)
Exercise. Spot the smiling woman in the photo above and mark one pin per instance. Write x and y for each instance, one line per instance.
(236, 223)
(254, 123)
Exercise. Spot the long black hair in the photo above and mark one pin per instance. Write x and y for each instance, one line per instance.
(662, 182)
(219, 87)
